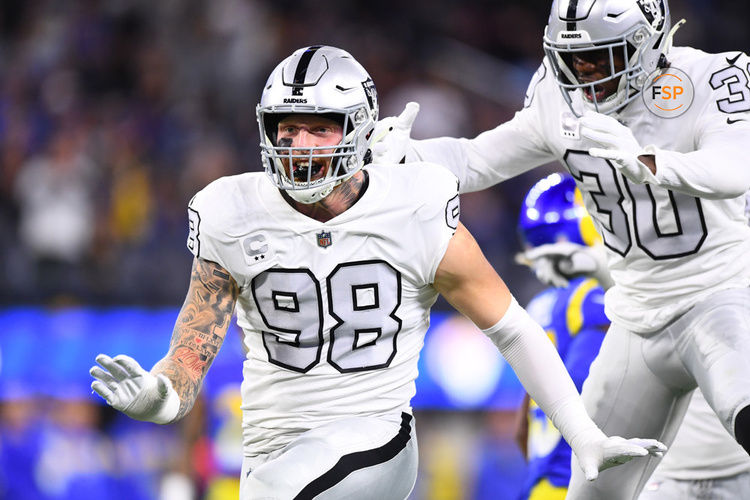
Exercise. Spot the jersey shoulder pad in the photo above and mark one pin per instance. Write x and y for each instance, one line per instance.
(720, 74)
(222, 203)
(433, 189)
(542, 73)
(219, 212)
(426, 177)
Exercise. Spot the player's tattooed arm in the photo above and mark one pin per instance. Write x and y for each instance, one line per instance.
(199, 331)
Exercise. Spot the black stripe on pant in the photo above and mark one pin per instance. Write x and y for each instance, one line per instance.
(359, 460)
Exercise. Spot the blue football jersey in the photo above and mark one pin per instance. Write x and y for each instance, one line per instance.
(574, 319)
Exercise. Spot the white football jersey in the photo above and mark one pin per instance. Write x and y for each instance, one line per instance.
(333, 313)
(669, 245)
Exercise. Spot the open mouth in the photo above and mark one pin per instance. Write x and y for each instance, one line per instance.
(598, 93)
(303, 169)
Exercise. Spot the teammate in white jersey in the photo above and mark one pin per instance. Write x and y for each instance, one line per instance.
(665, 188)
(333, 269)
(704, 461)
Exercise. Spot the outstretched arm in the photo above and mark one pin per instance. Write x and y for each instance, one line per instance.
(199, 331)
(506, 151)
(470, 284)
(169, 390)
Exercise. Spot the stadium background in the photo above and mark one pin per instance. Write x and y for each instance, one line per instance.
(113, 113)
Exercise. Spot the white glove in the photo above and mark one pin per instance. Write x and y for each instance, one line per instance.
(134, 391)
(618, 145)
(556, 263)
(391, 137)
(596, 452)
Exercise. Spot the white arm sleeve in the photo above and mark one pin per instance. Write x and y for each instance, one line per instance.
(538, 366)
(506, 151)
(492, 157)
(717, 166)
(717, 170)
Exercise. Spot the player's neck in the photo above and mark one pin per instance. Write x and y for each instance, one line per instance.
(343, 197)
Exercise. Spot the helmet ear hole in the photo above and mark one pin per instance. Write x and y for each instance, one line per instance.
(368, 157)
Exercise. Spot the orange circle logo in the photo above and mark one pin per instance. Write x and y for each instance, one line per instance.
(669, 94)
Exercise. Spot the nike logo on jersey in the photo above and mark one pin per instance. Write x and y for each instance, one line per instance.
(734, 59)
(730, 121)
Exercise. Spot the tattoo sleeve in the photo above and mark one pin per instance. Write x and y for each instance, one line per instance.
(199, 331)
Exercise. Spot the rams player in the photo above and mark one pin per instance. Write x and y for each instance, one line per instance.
(573, 318)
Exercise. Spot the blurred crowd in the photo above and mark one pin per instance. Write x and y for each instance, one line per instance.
(113, 113)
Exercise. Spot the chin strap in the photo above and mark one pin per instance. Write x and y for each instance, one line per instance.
(670, 35)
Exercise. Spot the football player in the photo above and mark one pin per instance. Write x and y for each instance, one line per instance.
(573, 317)
(704, 461)
(332, 268)
(665, 188)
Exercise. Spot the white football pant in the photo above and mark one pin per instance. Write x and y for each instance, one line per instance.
(363, 458)
(640, 384)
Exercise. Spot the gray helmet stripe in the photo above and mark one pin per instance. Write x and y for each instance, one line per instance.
(571, 14)
(304, 63)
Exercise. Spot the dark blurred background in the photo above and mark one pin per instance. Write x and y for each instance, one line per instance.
(113, 113)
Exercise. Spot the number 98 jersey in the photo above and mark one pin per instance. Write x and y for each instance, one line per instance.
(334, 313)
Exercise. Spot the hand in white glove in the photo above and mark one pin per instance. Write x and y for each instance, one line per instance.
(557, 263)
(596, 452)
(134, 391)
(391, 137)
(618, 144)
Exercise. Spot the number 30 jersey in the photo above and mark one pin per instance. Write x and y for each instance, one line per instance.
(669, 245)
(334, 313)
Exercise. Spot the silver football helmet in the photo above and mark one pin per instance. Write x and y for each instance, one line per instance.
(639, 30)
(325, 81)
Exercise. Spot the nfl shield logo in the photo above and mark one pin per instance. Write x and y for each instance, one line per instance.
(324, 239)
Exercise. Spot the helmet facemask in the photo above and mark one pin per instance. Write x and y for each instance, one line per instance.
(295, 169)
